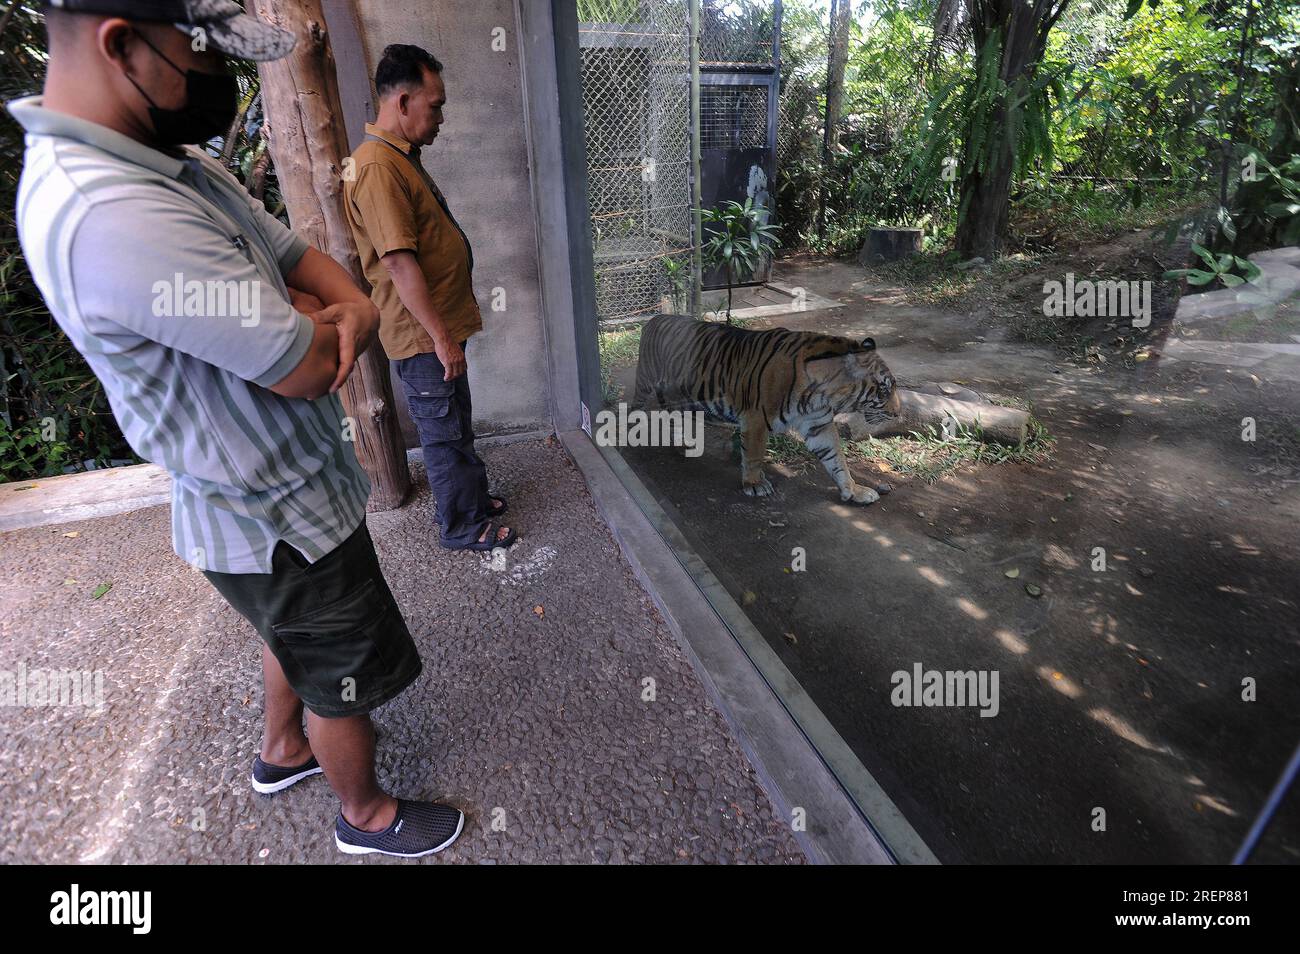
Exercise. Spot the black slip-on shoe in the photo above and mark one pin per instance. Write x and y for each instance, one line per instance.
(419, 828)
(269, 779)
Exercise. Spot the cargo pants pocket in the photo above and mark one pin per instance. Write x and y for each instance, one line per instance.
(340, 650)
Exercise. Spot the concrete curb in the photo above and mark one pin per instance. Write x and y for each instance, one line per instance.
(101, 493)
(788, 765)
(71, 497)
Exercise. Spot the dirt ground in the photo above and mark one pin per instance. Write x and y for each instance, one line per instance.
(1121, 689)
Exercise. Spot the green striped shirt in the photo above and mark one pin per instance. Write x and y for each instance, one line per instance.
(169, 277)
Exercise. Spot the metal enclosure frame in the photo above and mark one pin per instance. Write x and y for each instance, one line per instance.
(727, 172)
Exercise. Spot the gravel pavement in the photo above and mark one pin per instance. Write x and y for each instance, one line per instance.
(531, 712)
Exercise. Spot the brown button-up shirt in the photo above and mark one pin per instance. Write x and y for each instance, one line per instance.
(393, 205)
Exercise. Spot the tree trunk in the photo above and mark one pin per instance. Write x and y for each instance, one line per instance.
(306, 137)
(837, 60)
(985, 201)
(837, 57)
(1021, 28)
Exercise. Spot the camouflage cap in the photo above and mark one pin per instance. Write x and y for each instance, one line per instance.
(225, 25)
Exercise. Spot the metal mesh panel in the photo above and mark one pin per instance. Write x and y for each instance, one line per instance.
(733, 117)
(736, 31)
(636, 104)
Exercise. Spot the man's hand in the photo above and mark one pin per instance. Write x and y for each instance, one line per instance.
(356, 323)
(452, 357)
(413, 290)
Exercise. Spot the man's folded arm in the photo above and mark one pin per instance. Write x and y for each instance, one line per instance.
(184, 284)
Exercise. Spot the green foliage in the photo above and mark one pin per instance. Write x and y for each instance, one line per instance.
(1247, 119)
(885, 92)
(1268, 206)
(928, 455)
(53, 413)
(741, 236)
(931, 454)
(677, 273)
(618, 349)
(1141, 105)
(54, 416)
(1217, 267)
(1147, 105)
(608, 11)
(988, 116)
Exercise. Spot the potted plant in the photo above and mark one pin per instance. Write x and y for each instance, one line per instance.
(741, 238)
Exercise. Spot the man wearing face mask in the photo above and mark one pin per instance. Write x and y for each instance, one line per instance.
(419, 263)
(176, 286)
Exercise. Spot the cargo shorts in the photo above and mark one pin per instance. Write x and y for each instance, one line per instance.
(333, 625)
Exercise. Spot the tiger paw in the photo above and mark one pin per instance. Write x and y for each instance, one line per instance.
(859, 494)
(761, 489)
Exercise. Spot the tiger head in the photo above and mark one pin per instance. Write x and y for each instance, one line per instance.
(855, 378)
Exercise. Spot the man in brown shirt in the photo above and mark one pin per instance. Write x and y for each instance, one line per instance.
(419, 261)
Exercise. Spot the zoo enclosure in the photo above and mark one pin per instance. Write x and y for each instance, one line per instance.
(680, 109)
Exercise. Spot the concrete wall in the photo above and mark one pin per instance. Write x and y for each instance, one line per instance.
(480, 161)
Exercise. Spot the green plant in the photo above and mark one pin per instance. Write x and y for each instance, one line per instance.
(1220, 267)
(1268, 207)
(740, 238)
(676, 271)
(929, 455)
(54, 416)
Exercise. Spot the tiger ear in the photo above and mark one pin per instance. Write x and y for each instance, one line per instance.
(869, 344)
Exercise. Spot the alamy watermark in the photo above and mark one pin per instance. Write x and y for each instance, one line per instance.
(948, 688)
(634, 427)
(179, 298)
(23, 687)
(131, 909)
(1086, 298)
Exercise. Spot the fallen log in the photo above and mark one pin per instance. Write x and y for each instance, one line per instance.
(945, 407)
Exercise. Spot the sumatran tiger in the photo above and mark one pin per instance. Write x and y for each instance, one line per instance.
(767, 382)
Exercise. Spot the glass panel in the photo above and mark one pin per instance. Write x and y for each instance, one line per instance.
(1002, 462)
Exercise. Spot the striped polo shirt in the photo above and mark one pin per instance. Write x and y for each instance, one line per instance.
(169, 278)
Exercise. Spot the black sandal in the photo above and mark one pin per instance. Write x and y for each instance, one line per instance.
(494, 512)
(491, 543)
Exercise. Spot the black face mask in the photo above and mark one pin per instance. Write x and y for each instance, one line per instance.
(211, 101)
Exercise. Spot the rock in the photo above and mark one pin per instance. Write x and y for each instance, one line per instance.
(883, 489)
(1284, 256)
(888, 245)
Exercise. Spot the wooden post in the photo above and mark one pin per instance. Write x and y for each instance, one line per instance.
(308, 142)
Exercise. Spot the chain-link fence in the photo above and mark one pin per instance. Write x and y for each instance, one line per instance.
(736, 32)
(636, 98)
